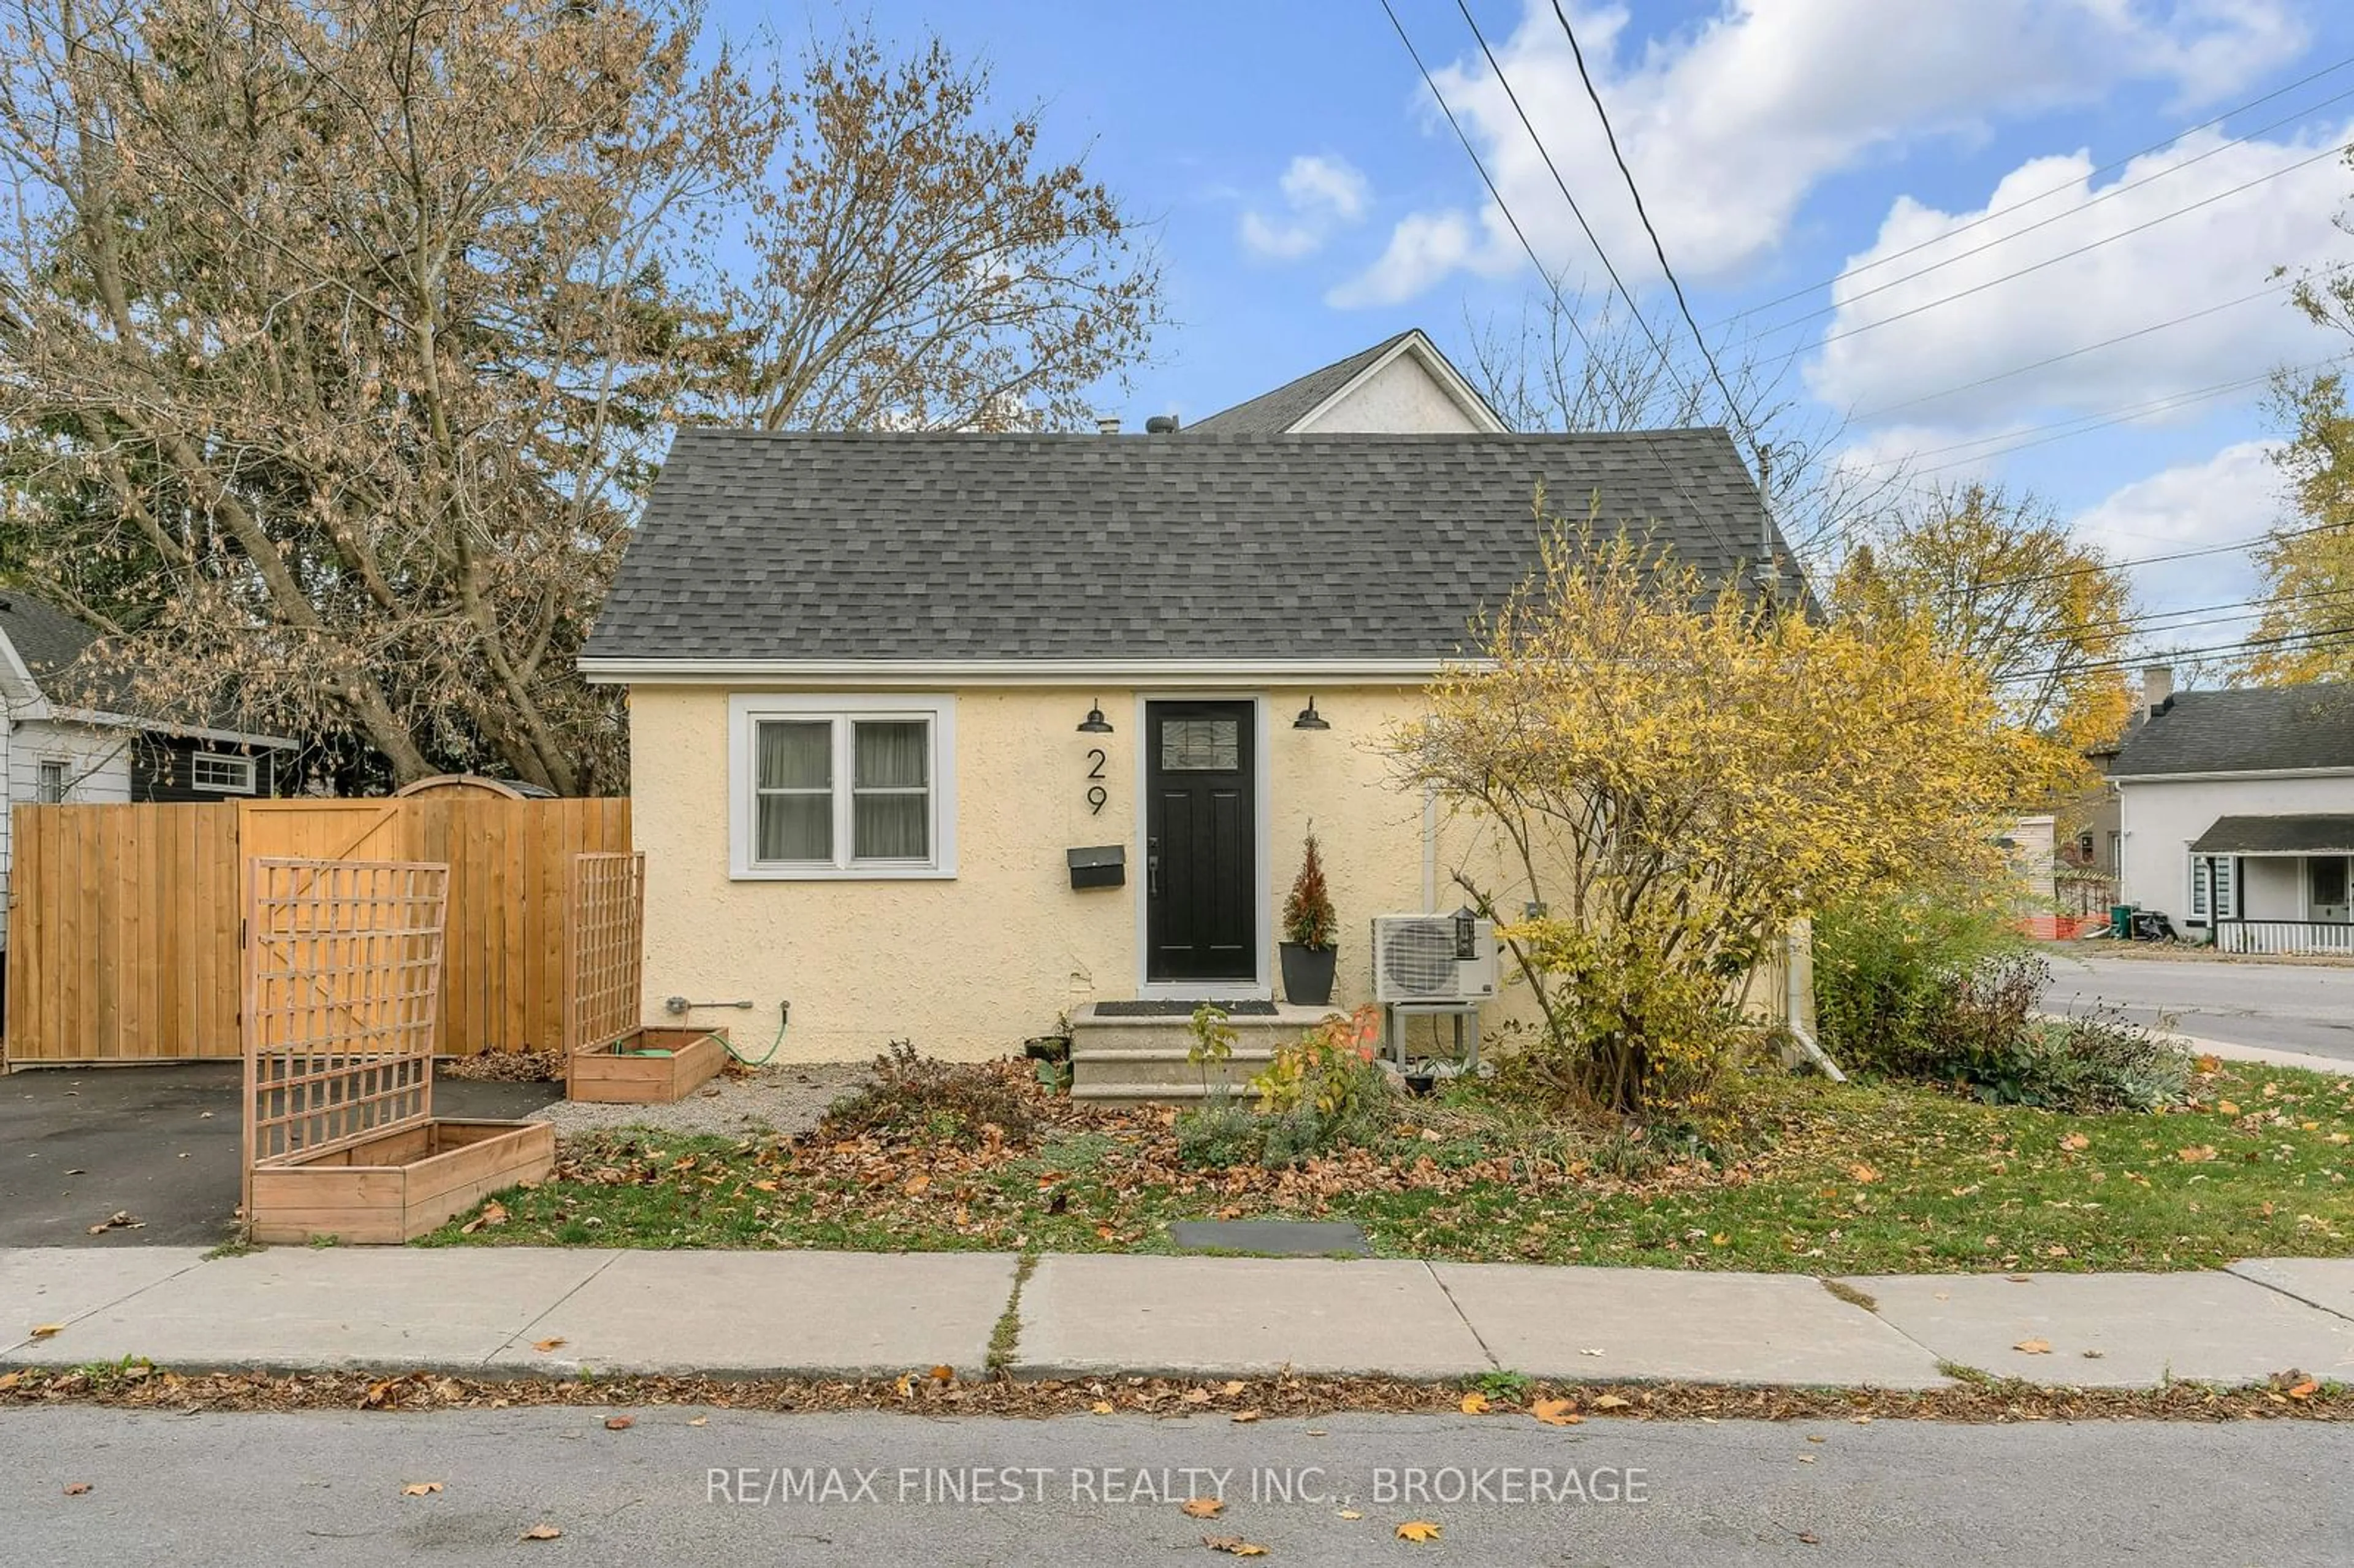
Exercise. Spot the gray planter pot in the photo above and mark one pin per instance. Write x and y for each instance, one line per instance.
(1307, 973)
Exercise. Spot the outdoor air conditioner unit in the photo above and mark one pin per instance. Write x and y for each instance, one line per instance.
(1434, 957)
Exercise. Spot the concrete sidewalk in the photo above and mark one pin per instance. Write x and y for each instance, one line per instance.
(527, 1310)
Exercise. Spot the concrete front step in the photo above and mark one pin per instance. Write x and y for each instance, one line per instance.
(1130, 1061)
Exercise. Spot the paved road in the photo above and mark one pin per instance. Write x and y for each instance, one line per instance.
(234, 1491)
(78, 1144)
(2295, 1007)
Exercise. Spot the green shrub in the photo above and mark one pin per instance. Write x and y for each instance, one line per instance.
(1894, 978)
(1944, 990)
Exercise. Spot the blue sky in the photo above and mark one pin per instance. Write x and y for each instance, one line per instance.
(1307, 201)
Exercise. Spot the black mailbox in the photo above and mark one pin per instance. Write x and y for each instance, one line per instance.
(1105, 865)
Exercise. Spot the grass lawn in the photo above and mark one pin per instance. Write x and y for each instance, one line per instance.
(1828, 1180)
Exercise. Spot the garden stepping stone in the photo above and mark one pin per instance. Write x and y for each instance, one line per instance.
(1272, 1238)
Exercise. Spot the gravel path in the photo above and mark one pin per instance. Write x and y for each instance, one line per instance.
(787, 1099)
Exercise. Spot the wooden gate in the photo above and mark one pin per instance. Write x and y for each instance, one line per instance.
(123, 942)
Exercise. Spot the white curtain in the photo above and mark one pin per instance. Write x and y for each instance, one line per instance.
(891, 811)
(795, 788)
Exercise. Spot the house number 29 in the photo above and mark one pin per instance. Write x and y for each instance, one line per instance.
(1095, 794)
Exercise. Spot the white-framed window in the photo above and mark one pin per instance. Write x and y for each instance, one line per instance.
(220, 773)
(848, 786)
(51, 787)
(2214, 886)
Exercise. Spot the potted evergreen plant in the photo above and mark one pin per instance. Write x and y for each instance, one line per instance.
(1309, 926)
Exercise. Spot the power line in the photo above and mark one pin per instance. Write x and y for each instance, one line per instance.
(2069, 254)
(2132, 562)
(2161, 405)
(1887, 408)
(1666, 363)
(1683, 305)
(2045, 223)
(2025, 202)
(1674, 477)
(2317, 638)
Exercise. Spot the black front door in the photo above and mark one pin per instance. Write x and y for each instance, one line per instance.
(1201, 853)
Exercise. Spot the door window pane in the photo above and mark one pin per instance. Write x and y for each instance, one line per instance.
(1201, 745)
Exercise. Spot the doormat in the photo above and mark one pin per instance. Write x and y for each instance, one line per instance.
(1160, 1009)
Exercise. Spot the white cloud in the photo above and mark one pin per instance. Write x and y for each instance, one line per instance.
(1423, 248)
(1322, 194)
(2231, 496)
(2208, 255)
(1729, 124)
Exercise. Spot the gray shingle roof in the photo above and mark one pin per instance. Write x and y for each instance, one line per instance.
(1271, 413)
(908, 546)
(2320, 832)
(50, 641)
(2261, 729)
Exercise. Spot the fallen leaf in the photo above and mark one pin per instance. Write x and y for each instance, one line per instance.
(2227, 1107)
(944, 1373)
(1235, 1387)
(2208, 1063)
(544, 1346)
(915, 1185)
(1863, 1174)
(76, 1489)
(1242, 1416)
(618, 1424)
(1806, 1459)
(1348, 1514)
(121, 1220)
(10, 1379)
(1555, 1413)
(1817, 1437)
(1592, 1351)
(700, 1421)
(2033, 1347)
(2075, 1141)
(2196, 1153)
(1474, 1405)
(540, 1532)
(1203, 1508)
(1233, 1545)
(420, 1489)
(1610, 1401)
(2304, 1390)
(1101, 1407)
(1418, 1530)
(43, 1331)
(1808, 1537)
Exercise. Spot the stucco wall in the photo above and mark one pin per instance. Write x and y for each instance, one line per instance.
(1400, 398)
(2161, 819)
(969, 967)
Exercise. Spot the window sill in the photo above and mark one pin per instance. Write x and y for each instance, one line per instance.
(842, 874)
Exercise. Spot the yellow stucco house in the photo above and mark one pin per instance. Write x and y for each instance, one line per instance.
(882, 686)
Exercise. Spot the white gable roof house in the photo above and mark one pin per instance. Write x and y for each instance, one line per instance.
(2236, 814)
(1401, 386)
(72, 736)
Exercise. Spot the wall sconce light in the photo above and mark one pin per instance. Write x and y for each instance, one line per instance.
(1095, 722)
(1309, 717)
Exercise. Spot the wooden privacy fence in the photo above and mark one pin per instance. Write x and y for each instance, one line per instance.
(124, 920)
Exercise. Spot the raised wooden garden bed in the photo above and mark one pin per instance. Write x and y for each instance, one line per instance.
(342, 976)
(646, 1066)
(395, 1188)
(610, 1057)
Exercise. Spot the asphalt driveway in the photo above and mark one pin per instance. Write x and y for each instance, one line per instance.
(2291, 1007)
(78, 1145)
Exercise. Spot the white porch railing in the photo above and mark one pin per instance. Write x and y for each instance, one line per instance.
(2282, 939)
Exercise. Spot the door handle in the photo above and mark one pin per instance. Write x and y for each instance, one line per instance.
(1152, 868)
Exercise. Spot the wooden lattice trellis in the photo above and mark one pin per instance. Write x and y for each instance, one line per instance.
(603, 954)
(343, 978)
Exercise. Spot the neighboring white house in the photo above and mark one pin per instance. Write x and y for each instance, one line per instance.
(68, 738)
(2236, 815)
